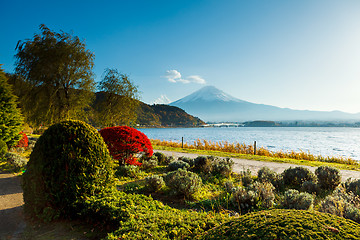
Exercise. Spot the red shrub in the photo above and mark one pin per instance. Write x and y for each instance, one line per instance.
(24, 141)
(124, 143)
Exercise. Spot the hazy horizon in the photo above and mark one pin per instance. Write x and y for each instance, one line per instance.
(301, 55)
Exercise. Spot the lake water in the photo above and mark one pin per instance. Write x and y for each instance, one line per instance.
(324, 141)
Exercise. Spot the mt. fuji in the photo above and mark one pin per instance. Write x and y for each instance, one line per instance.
(213, 105)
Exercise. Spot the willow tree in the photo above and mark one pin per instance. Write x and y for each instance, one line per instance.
(57, 70)
(119, 102)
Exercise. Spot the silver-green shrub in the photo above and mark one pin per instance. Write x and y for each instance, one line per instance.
(223, 167)
(175, 165)
(293, 199)
(245, 200)
(328, 177)
(295, 177)
(154, 183)
(183, 182)
(16, 160)
(149, 163)
(265, 191)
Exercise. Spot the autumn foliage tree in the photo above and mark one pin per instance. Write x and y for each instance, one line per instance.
(125, 144)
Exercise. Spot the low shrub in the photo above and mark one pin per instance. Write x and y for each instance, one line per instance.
(265, 174)
(265, 191)
(3, 148)
(229, 187)
(353, 186)
(246, 177)
(285, 224)
(162, 159)
(223, 167)
(140, 217)
(16, 160)
(328, 177)
(126, 170)
(203, 164)
(183, 182)
(295, 177)
(188, 160)
(149, 163)
(175, 165)
(310, 187)
(245, 200)
(154, 183)
(293, 199)
(343, 204)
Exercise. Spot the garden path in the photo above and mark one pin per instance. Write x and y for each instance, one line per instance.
(254, 165)
(12, 221)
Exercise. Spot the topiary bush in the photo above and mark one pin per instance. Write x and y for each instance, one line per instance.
(125, 143)
(328, 177)
(310, 187)
(154, 183)
(285, 224)
(293, 199)
(175, 165)
(70, 163)
(183, 182)
(295, 177)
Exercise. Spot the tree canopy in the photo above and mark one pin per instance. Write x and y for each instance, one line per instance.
(10, 116)
(57, 70)
(118, 107)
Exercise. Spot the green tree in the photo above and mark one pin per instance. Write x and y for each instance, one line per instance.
(11, 119)
(119, 104)
(57, 68)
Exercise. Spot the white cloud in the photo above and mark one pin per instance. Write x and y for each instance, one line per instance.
(174, 76)
(163, 99)
(196, 79)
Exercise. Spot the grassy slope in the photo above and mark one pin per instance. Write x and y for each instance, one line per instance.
(259, 158)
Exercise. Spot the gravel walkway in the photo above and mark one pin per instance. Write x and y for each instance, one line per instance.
(12, 220)
(254, 166)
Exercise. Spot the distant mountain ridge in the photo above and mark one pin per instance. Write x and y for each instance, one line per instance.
(213, 105)
(160, 115)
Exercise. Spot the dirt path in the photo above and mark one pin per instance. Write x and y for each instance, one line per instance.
(12, 221)
(254, 166)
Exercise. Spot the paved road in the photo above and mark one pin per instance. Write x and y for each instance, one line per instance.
(254, 166)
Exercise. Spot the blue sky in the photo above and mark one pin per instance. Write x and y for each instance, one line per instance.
(297, 54)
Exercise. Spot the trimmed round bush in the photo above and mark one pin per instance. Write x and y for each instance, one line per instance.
(175, 165)
(154, 183)
(149, 163)
(310, 187)
(69, 164)
(285, 224)
(295, 177)
(328, 177)
(183, 182)
(3, 148)
(265, 174)
(293, 199)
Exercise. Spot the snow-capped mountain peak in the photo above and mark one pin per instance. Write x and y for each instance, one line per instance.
(208, 94)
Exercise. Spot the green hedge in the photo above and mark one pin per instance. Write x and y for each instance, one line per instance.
(285, 224)
(140, 217)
